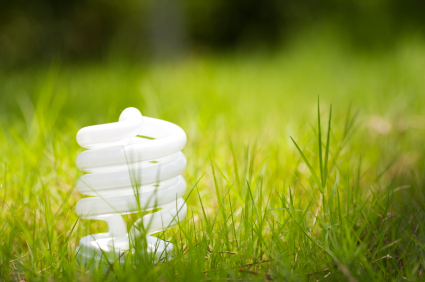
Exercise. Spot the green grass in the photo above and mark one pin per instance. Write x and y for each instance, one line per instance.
(343, 200)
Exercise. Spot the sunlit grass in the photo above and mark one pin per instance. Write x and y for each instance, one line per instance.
(342, 200)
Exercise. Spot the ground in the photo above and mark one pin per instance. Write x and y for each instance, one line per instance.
(342, 200)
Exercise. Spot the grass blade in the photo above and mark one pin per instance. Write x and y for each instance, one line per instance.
(313, 173)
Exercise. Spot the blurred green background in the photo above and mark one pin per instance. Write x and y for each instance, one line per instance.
(77, 31)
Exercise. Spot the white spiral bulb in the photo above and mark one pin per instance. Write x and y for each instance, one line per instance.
(133, 165)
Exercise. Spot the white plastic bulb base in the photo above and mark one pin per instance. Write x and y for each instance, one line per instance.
(132, 166)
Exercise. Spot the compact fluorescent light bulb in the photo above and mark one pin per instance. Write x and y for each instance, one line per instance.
(132, 165)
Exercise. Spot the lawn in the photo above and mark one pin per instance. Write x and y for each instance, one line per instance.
(343, 201)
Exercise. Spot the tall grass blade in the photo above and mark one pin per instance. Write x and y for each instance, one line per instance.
(325, 167)
(319, 136)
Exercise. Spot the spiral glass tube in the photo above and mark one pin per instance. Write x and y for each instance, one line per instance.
(132, 165)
